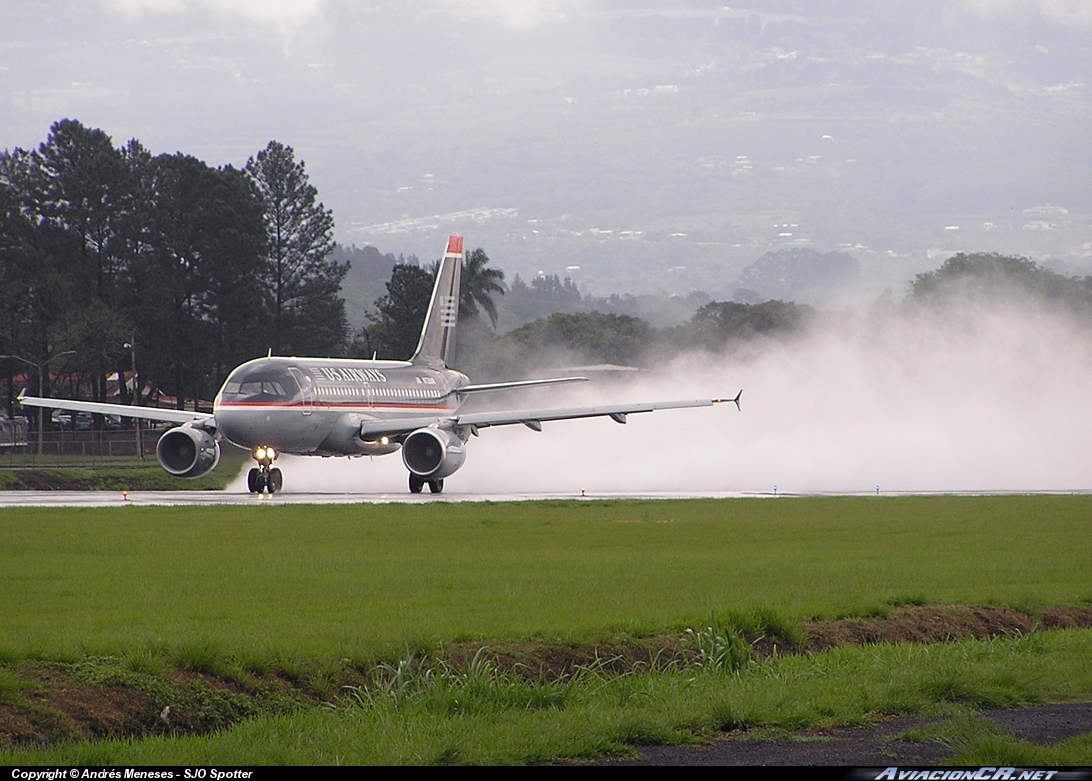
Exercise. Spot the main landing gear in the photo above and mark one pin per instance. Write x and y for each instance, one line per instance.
(417, 483)
(265, 476)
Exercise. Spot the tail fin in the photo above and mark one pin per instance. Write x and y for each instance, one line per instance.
(437, 345)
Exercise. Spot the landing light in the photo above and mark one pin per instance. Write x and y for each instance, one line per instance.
(384, 440)
(260, 454)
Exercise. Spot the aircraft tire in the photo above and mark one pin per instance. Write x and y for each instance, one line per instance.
(436, 486)
(276, 480)
(415, 484)
(254, 481)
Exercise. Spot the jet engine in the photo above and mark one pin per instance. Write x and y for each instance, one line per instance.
(187, 452)
(433, 454)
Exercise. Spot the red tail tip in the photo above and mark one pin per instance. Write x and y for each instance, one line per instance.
(454, 245)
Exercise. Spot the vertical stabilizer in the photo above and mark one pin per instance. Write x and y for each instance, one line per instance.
(437, 345)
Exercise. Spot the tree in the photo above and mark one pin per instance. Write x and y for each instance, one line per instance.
(608, 338)
(401, 313)
(36, 255)
(719, 322)
(83, 187)
(199, 307)
(989, 277)
(17, 258)
(308, 314)
(78, 193)
(478, 284)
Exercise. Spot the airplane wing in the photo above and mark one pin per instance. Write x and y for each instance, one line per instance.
(531, 418)
(121, 410)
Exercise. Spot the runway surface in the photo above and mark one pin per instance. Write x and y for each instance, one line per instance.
(180, 498)
(211, 498)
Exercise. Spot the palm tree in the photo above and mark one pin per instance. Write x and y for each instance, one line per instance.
(478, 285)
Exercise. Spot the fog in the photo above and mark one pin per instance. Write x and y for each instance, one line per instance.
(988, 399)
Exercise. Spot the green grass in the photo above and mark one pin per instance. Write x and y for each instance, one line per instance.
(126, 595)
(978, 741)
(368, 581)
(1007, 750)
(487, 716)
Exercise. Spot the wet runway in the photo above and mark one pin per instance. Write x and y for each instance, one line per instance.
(195, 498)
(212, 498)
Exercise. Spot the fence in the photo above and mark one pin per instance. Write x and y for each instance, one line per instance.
(82, 449)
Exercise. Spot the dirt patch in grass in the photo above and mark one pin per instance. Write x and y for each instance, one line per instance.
(45, 702)
(53, 706)
(548, 661)
(909, 624)
(106, 698)
(939, 624)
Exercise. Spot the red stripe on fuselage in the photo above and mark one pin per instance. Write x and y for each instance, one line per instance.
(329, 405)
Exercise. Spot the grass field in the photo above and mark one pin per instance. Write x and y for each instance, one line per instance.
(357, 585)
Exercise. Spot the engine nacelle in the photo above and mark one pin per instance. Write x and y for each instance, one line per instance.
(187, 452)
(433, 454)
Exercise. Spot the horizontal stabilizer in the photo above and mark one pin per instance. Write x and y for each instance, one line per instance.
(494, 386)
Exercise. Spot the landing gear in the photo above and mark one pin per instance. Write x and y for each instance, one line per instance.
(417, 483)
(265, 476)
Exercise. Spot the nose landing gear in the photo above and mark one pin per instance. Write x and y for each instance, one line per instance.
(265, 476)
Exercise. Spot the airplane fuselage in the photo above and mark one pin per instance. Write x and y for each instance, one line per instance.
(316, 406)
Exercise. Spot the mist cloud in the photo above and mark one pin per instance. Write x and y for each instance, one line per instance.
(283, 14)
(286, 14)
(517, 14)
(1068, 12)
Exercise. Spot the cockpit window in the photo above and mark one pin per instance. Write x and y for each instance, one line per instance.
(267, 388)
(260, 384)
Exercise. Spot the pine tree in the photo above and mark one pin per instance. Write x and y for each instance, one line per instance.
(303, 281)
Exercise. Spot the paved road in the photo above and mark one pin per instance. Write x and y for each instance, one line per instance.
(876, 746)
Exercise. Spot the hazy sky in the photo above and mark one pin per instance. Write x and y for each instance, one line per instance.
(703, 134)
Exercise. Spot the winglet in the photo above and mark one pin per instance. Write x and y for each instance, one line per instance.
(734, 401)
(22, 395)
(454, 246)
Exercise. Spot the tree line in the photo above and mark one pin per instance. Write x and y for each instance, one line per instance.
(608, 337)
(110, 254)
(977, 280)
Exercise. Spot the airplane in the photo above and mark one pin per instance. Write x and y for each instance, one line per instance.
(352, 407)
